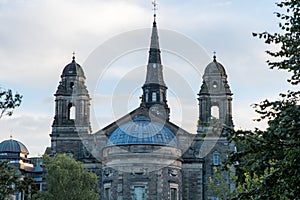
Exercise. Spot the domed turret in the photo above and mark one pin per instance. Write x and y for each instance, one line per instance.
(215, 68)
(214, 97)
(72, 110)
(73, 69)
(215, 79)
(13, 146)
(15, 153)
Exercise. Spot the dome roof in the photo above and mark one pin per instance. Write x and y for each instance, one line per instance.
(13, 146)
(73, 69)
(215, 68)
(141, 130)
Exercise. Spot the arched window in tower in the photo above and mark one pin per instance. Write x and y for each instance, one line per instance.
(72, 85)
(71, 111)
(215, 85)
(215, 112)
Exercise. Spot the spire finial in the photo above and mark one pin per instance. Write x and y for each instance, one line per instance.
(154, 3)
(215, 57)
(73, 58)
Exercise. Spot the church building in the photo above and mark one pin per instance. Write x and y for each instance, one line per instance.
(143, 155)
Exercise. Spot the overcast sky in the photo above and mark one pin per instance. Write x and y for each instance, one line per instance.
(37, 38)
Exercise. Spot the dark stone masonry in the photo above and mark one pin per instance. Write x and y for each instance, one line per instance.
(143, 155)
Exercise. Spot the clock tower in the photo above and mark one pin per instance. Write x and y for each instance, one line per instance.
(155, 89)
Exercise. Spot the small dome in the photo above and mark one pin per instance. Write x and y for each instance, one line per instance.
(13, 146)
(142, 131)
(215, 68)
(73, 69)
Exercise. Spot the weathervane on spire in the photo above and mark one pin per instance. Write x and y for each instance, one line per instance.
(154, 3)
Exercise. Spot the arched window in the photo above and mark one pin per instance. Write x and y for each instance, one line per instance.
(72, 85)
(215, 112)
(215, 85)
(71, 111)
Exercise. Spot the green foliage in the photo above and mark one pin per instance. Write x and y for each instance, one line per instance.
(8, 102)
(9, 177)
(288, 41)
(67, 179)
(12, 181)
(268, 161)
(219, 185)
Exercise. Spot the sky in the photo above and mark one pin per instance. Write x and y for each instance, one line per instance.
(37, 38)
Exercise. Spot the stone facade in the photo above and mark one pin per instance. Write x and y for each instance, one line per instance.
(143, 155)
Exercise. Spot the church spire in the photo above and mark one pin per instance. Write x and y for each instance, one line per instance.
(154, 68)
(154, 89)
(154, 53)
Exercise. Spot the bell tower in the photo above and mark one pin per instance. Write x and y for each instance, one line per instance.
(155, 90)
(72, 111)
(215, 98)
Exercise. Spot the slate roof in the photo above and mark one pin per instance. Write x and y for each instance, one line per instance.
(13, 146)
(73, 69)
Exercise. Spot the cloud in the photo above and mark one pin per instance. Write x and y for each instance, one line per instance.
(32, 130)
(38, 37)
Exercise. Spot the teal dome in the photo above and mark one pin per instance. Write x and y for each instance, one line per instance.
(141, 130)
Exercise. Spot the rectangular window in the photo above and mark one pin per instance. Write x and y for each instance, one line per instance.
(216, 160)
(147, 98)
(173, 194)
(139, 193)
(162, 97)
(107, 191)
(173, 191)
(154, 97)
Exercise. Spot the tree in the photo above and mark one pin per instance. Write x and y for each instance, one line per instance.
(12, 181)
(67, 179)
(268, 161)
(219, 184)
(8, 102)
(9, 178)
